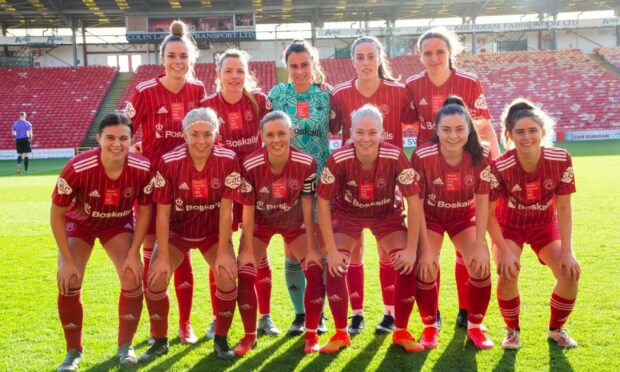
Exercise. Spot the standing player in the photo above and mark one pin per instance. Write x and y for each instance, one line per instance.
(93, 198)
(194, 189)
(360, 181)
(531, 186)
(438, 47)
(375, 85)
(306, 101)
(159, 106)
(22, 131)
(278, 192)
(240, 107)
(456, 200)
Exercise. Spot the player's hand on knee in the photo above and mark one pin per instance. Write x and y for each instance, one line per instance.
(159, 270)
(404, 261)
(133, 270)
(336, 263)
(68, 277)
(428, 266)
(225, 265)
(508, 266)
(478, 265)
(570, 266)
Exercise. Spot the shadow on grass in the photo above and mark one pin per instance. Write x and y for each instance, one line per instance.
(458, 355)
(396, 359)
(557, 358)
(251, 361)
(112, 362)
(289, 358)
(361, 361)
(507, 362)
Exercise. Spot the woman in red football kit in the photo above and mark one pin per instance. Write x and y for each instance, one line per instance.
(429, 88)
(374, 85)
(360, 180)
(94, 198)
(194, 189)
(278, 192)
(158, 106)
(530, 203)
(456, 200)
(240, 108)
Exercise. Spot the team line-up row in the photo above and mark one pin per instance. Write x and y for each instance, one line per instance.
(262, 164)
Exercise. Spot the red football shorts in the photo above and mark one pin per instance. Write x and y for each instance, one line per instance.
(289, 233)
(537, 238)
(380, 227)
(75, 230)
(453, 226)
(184, 245)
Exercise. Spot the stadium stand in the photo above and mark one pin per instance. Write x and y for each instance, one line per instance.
(61, 102)
(577, 91)
(610, 54)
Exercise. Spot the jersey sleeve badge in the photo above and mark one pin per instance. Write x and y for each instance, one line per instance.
(63, 187)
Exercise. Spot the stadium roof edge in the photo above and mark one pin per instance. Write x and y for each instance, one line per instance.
(62, 13)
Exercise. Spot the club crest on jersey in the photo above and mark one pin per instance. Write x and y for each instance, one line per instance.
(469, 180)
(71, 226)
(129, 110)
(431, 199)
(159, 127)
(233, 180)
(327, 177)
(549, 184)
(178, 205)
(148, 189)
(63, 187)
(245, 186)
(293, 184)
(487, 176)
(128, 192)
(385, 109)
(481, 103)
(380, 182)
(568, 175)
(216, 183)
(407, 176)
(159, 180)
(248, 115)
(87, 208)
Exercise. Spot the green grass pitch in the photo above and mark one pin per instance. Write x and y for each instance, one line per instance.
(31, 336)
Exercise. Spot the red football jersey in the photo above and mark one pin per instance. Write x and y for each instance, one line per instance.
(195, 195)
(527, 200)
(367, 194)
(97, 202)
(239, 125)
(449, 192)
(160, 113)
(391, 98)
(277, 198)
(427, 99)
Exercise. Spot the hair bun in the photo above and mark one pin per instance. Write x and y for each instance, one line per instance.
(454, 100)
(177, 28)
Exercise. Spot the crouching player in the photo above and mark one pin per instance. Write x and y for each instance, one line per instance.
(278, 188)
(194, 188)
(528, 184)
(456, 200)
(94, 198)
(360, 181)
